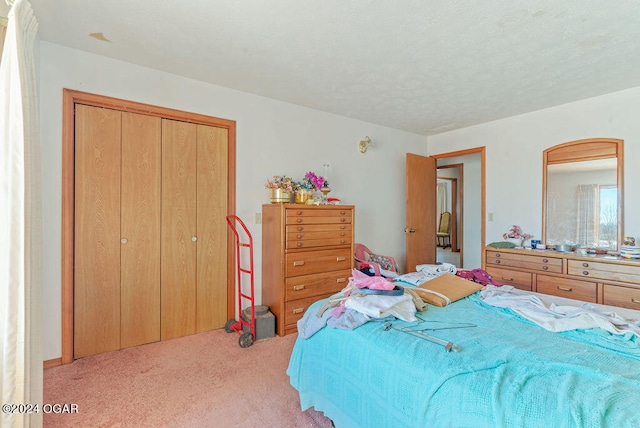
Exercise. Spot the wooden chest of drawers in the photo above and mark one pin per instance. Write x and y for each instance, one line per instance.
(307, 255)
(597, 279)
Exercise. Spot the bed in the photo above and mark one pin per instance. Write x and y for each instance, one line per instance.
(509, 372)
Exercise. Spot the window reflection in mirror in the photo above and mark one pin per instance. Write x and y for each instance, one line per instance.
(582, 203)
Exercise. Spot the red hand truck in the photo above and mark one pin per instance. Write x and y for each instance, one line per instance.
(246, 241)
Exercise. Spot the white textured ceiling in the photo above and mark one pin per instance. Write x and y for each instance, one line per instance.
(421, 66)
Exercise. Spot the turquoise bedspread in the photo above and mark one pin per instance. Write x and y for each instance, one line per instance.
(509, 373)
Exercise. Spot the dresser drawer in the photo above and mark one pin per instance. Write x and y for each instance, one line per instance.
(300, 287)
(625, 297)
(563, 287)
(308, 262)
(599, 270)
(525, 261)
(315, 216)
(295, 309)
(318, 235)
(521, 280)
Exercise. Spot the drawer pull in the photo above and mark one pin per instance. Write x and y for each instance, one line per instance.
(507, 279)
(635, 300)
(545, 260)
(497, 261)
(299, 287)
(299, 220)
(299, 212)
(545, 267)
(300, 228)
(585, 272)
(342, 241)
(585, 264)
(339, 280)
(343, 227)
(299, 244)
(299, 236)
(564, 288)
(298, 310)
(298, 263)
(342, 234)
(341, 259)
(498, 255)
(343, 219)
(343, 212)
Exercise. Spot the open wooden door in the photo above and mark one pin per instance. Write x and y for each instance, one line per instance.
(420, 228)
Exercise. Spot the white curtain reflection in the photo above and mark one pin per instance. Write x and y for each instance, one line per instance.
(588, 219)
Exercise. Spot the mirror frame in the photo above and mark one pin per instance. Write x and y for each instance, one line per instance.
(583, 150)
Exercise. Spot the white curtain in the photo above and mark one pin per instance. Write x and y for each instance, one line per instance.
(20, 222)
(587, 230)
(3, 33)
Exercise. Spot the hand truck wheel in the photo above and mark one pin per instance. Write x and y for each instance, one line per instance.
(245, 340)
(228, 325)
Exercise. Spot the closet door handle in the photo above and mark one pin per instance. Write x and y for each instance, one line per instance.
(124, 241)
(194, 238)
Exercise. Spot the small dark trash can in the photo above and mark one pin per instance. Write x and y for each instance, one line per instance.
(265, 322)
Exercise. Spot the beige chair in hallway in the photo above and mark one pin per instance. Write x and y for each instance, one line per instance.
(444, 230)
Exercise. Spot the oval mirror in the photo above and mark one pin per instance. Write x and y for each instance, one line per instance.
(582, 194)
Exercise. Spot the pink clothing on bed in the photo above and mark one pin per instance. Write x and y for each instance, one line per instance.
(362, 280)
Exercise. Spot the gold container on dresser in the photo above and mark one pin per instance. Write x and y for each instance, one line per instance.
(307, 255)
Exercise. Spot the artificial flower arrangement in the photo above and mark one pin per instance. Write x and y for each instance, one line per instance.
(516, 233)
(281, 182)
(312, 181)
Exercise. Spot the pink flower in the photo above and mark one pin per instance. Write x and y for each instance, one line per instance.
(516, 233)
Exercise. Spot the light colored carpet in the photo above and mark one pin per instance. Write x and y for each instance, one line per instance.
(205, 380)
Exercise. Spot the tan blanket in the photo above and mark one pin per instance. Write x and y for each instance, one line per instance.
(445, 289)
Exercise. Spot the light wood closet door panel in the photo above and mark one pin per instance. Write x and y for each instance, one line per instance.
(140, 229)
(178, 250)
(97, 231)
(212, 228)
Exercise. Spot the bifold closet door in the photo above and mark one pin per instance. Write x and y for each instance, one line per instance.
(194, 228)
(179, 236)
(212, 228)
(97, 231)
(140, 230)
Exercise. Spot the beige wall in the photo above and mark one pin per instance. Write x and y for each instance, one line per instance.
(272, 138)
